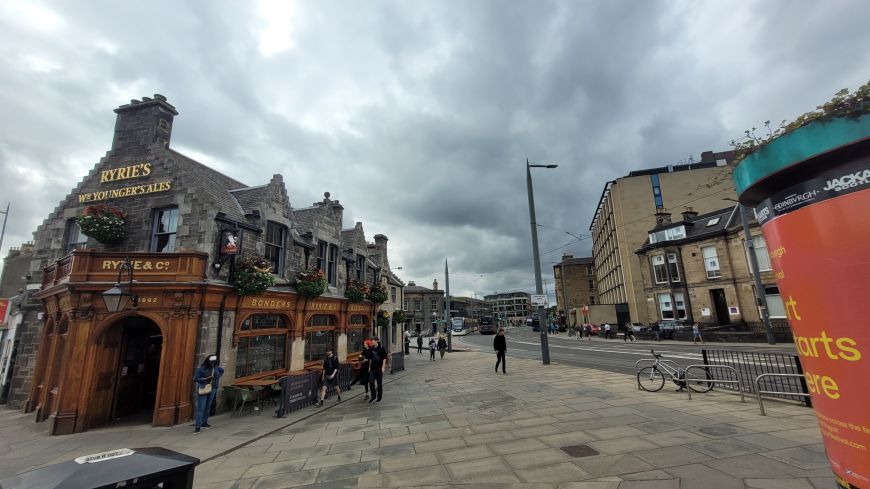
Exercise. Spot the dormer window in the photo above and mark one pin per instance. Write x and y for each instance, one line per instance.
(669, 234)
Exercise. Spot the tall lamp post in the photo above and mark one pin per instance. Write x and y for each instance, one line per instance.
(5, 217)
(539, 289)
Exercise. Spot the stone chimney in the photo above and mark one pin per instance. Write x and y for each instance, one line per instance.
(567, 256)
(412, 284)
(142, 124)
(663, 217)
(689, 214)
(435, 284)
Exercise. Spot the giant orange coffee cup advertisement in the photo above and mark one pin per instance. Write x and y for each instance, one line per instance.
(818, 238)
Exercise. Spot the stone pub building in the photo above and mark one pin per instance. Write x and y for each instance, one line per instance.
(83, 366)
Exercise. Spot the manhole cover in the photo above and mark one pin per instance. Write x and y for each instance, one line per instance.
(579, 451)
(719, 430)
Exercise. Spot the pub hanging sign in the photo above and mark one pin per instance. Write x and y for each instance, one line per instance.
(138, 170)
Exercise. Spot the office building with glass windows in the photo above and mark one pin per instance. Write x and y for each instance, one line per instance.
(626, 212)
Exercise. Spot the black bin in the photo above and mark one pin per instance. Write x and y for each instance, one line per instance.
(134, 468)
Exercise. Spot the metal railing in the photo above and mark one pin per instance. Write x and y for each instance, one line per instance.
(759, 392)
(713, 380)
(751, 364)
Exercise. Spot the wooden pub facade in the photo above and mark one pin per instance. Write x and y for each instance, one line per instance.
(184, 227)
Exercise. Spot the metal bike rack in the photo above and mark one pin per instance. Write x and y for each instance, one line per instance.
(651, 362)
(713, 380)
(759, 392)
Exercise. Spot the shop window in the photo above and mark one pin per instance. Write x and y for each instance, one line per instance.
(264, 321)
(666, 307)
(319, 337)
(75, 240)
(262, 353)
(711, 262)
(356, 333)
(275, 240)
(673, 269)
(660, 272)
(316, 344)
(163, 230)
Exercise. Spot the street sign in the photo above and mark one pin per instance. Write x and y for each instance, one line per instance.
(539, 300)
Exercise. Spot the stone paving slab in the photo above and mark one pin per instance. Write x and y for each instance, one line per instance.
(455, 423)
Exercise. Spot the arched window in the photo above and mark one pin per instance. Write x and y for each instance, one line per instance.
(356, 332)
(262, 345)
(319, 336)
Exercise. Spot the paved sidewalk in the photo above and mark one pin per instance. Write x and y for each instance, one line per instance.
(456, 423)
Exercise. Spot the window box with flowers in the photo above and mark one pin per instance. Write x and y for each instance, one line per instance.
(103, 223)
(378, 293)
(356, 290)
(311, 283)
(253, 275)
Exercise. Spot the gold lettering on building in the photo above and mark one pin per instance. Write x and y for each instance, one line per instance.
(143, 265)
(323, 306)
(125, 172)
(358, 308)
(117, 193)
(271, 303)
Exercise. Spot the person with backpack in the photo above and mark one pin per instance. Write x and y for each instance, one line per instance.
(329, 375)
(378, 361)
(432, 346)
(442, 345)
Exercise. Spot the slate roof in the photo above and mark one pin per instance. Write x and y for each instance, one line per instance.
(577, 261)
(214, 184)
(697, 228)
(249, 197)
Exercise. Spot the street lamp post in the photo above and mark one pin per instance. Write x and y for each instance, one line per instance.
(539, 289)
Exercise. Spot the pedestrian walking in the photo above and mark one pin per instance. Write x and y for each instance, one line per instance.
(407, 342)
(207, 380)
(442, 345)
(696, 333)
(361, 369)
(378, 361)
(606, 331)
(657, 331)
(329, 376)
(419, 344)
(588, 332)
(432, 345)
(499, 344)
(629, 333)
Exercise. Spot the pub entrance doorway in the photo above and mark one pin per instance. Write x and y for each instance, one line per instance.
(128, 372)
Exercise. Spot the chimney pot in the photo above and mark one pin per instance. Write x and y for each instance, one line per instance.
(663, 217)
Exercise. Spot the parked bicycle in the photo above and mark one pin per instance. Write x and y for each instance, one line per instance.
(652, 378)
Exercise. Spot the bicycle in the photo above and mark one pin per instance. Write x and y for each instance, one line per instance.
(652, 378)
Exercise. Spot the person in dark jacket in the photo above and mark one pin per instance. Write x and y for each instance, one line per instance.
(419, 344)
(362, 371)
(442, 346)
(329, 375)
(378, 362)
(499, 344)
(206, 377)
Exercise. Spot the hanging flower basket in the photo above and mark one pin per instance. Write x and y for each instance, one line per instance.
(399, 316)
(356, 290)
(382, 319)
(378, 293)
(311, 283)
(103, 223)
(253, 275)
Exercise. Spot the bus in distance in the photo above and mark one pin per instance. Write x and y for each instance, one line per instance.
(486, 325)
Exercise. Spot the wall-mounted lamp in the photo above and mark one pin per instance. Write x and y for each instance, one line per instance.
(119, 296)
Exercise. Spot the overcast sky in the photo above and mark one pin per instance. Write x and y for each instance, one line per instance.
(417, 116)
